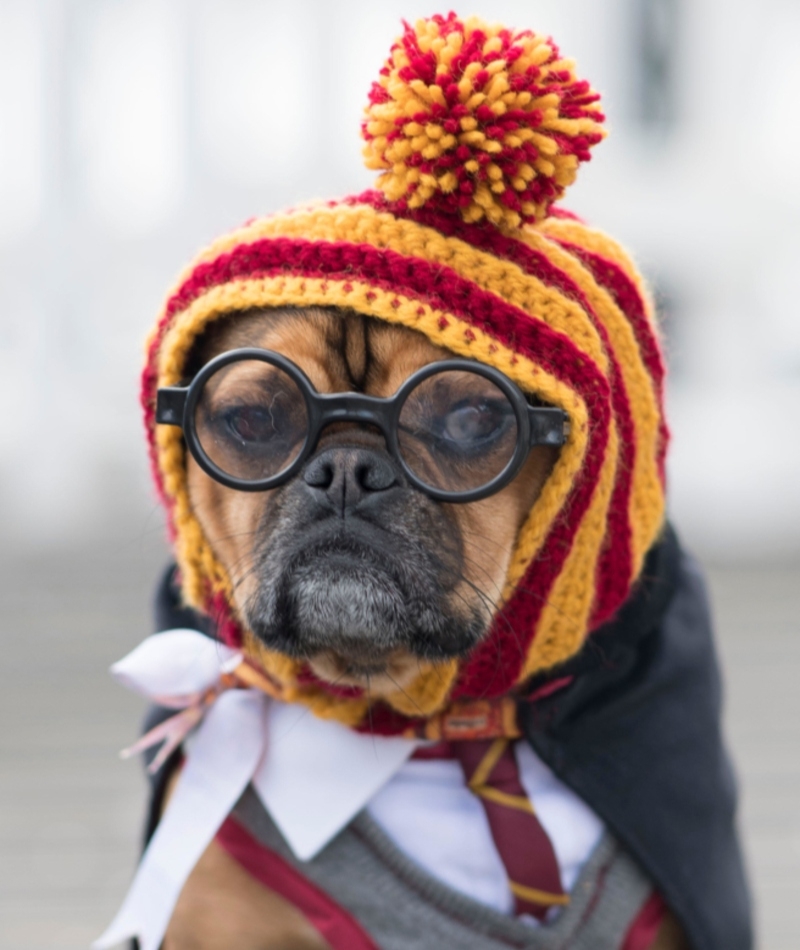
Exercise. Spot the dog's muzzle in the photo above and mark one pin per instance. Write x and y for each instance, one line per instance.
(355, 562)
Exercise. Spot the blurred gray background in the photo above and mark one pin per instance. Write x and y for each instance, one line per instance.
(133, 131)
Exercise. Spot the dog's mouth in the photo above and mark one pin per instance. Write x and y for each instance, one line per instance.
(352, 602)
(378, 675)
(361, 606)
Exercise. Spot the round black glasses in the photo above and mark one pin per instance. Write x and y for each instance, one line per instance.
(459, 430)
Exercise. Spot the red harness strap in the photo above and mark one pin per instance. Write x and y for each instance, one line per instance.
(645, 927)
(335, 924)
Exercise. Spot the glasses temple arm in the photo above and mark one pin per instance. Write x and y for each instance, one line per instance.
(170, 405)
(548, 426)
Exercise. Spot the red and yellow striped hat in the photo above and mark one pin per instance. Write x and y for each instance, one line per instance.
(477, 131)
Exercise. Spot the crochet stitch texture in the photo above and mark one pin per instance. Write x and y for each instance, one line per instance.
(463, 244)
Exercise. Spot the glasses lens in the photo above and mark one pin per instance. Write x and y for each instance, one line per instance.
(251, 420)
(457, 431)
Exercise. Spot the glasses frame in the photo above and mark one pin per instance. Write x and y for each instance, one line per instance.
(536, 425)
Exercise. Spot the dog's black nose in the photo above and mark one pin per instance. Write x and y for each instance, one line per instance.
(344, 477)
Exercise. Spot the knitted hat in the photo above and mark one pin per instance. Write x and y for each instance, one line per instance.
(477, 130)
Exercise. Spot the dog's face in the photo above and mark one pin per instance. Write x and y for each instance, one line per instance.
(348, 566)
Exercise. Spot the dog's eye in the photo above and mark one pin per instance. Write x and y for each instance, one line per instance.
(472, 424)
(457, 431)
(251, 420)
(255, 424)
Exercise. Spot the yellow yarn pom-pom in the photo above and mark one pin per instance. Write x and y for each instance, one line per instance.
(479, 121)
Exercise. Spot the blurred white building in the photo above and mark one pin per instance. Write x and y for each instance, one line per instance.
(133, 131)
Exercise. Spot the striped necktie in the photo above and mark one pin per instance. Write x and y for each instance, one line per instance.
(491, 772)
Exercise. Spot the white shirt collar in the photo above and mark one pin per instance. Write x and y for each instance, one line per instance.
(317, 775)
(312, 775)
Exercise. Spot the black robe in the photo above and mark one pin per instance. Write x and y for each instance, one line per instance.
(637, 735)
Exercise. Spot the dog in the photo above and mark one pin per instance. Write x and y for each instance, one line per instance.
(348, 567)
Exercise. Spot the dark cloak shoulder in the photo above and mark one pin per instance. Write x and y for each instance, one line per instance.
(638, 736)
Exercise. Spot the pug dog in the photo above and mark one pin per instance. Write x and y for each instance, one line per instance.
(347, 566)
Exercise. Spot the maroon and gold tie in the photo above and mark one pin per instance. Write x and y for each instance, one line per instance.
(491, 772)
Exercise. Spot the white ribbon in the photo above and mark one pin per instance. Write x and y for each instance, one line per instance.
(174, 667)
(317, 776)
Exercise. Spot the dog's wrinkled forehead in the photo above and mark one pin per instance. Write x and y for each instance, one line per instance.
(338, 349)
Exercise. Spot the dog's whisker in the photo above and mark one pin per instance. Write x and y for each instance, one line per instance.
(233, 536)
(407, 696)
(519, 588)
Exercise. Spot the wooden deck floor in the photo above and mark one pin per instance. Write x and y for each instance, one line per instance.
(70, 810)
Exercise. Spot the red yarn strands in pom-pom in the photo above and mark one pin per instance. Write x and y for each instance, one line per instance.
(478, 121)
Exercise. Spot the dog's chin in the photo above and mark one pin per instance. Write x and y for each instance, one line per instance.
(378, 677)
